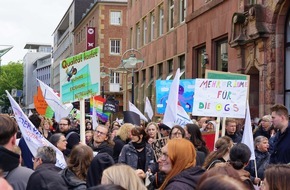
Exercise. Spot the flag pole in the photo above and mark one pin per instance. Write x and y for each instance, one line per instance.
(82, 121)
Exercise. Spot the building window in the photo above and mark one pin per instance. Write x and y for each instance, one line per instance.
(181, 62)
(115, 17)
(115, 46)
(161, 20)
(171, 14)
(115, 77)
(160, 71)
(252, 2)
(131, 38)
(182, 10)
(287, 64)
(222, 55)
(199, 70)
(152, 26)
(144, 31)
(170, 69)
(138, 36)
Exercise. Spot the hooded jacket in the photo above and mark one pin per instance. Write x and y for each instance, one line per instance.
(186, 179)
(72, 181)
(100, 162)
(17, 176)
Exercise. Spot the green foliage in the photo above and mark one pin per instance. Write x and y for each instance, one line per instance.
(11, 76)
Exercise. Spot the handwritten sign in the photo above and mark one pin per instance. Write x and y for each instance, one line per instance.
(220, 98)
(157, 145)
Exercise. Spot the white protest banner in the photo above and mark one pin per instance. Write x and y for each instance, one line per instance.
(220, 98)
(31, 135)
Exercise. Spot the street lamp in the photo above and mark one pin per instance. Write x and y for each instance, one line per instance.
(4, 51)
(132, 61)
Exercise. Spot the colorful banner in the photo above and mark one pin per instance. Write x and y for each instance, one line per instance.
(80, 76)
(220, 98)
(99, 103)
(90, 38)
(185, 94)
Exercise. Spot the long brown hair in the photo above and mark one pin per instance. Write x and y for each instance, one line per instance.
(80, 160)
(182, 154)
(278, 176)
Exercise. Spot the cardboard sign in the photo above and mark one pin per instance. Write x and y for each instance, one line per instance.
(157, 145)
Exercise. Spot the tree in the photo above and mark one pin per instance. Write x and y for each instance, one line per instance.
(11, 77)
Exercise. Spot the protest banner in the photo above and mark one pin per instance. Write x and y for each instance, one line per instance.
(220, 98)
(157, 145)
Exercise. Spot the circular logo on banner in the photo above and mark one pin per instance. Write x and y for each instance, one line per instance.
(90, 30)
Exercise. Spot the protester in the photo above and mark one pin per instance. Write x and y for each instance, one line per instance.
(202, 122)
(17, 176)
(100, 162)
(45, 128)
(59, 141)
(178, 163)
(46, 175)
(264, 127)
(221, 153)
(221, 182)
(192, 133)
(89, 137)
(75, 173)
(152, 130)
(262, 157)
(138, 153)
(123, 137)
(164, 130)
(231, 130)
(89, 126)
(25, 151)
(239, 158)
(280, 120)
(277, 177)
(70, 134)
(123, 175)
(176, 132)
(100, 142)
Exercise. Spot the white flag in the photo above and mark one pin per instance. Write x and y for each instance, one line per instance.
(31, 135)
(248, 133)
(182, 117)
(170, 114)
(148, 108)
(133, 108)
(53, 100)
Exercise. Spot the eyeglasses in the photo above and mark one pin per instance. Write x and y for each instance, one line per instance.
(164, 156)
(100, 132)
(63, 124)
(176, 134)
(35, 159)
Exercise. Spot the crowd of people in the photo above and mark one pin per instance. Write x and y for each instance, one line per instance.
(120, 156)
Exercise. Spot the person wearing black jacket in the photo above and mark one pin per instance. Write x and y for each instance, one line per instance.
(46, 175)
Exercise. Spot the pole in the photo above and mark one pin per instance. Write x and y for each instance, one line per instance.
(103, 90)
(132, 86)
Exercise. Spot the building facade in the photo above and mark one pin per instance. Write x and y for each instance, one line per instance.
(36, 64)
(109, 21)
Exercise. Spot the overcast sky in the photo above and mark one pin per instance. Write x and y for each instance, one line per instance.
(26, 21)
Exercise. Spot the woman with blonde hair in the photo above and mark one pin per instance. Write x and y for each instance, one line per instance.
(152, 130)
(123, 175)
(178, 163)
(77, 167)
(122, 137)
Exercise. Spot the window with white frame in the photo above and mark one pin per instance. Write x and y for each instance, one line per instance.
(182, 10)
(161, 20)
(144, 31)
(115, 77)
(138, 36)
(171, 14)
(115, 17)
(152, 26)
(115, 46)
